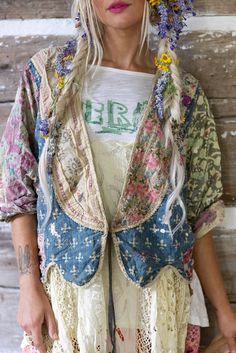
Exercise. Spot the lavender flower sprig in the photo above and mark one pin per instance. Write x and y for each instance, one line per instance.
(171, 18)
(159, 93)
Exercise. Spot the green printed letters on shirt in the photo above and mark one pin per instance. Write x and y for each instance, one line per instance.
(113, 117)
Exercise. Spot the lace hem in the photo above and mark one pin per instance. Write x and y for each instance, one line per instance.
(159, 325)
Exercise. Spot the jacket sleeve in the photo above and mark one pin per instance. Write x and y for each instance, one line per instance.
(205, 208)
(18, 164)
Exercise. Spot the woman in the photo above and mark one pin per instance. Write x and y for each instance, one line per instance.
(114, 149)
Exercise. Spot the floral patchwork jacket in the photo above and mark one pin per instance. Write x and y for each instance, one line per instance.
(77, 231)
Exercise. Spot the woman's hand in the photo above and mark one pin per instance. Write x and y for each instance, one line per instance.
(207, 268)
(227, 325)
(35, 309)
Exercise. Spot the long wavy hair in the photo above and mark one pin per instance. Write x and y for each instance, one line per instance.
(89, 54)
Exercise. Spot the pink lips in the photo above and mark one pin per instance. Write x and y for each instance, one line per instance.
(118, 7)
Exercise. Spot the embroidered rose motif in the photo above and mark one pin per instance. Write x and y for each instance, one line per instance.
(16, 188)
(159, 132)
(148, 126)
(153, 196)
(186, 100)
(207, 217)
(142, 189)
(131, 188)
(135, 217)
(152, 161)
(187, 259)
(138, 156)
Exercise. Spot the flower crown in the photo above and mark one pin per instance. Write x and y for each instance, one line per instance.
(169, 16)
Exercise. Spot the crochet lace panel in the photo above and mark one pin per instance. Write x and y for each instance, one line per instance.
(159, 325)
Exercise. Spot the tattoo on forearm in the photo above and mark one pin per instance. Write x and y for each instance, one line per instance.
(24, 259)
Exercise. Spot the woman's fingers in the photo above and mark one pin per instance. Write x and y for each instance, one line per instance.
(38, 339)
(232, 344)
(51, 324)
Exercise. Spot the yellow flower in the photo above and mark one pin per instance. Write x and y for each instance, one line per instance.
(163, 67)
(154, 2)
(44, 136)
(68, 57)
(156, 61)
(166, 59)
(61, 82)
(176, 8)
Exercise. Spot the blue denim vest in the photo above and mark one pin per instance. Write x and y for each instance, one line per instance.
(142, 250)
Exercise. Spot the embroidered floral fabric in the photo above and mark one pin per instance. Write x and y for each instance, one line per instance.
(204, 207)
(18, 165)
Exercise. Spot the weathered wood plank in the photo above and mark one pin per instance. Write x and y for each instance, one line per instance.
(34, 9)
(226, 129)
(5, 109)
(60, 9)
(210, 57)
(225, 246)
(10, 331)
(224, 107)
(208, 333)
(15, 52)
(8, 266)
(212, 7)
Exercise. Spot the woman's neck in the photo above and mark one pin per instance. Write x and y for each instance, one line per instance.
(121, 50)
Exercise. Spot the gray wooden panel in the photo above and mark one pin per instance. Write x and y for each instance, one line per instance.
(210, 57)
(223, 107)
(215, 7)
(34, 9)
(14, 54)
(225, 246)
(10, 331)
(8, 266)
(5, 109)
(226, 129)
(208, 333)
(59, 8)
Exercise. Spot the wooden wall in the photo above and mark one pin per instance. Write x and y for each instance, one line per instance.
(210, 56)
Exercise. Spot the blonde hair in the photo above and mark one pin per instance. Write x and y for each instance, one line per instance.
(90, 52)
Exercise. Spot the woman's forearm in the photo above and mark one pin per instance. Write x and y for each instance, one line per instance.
(24, 237)
(207, 268)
